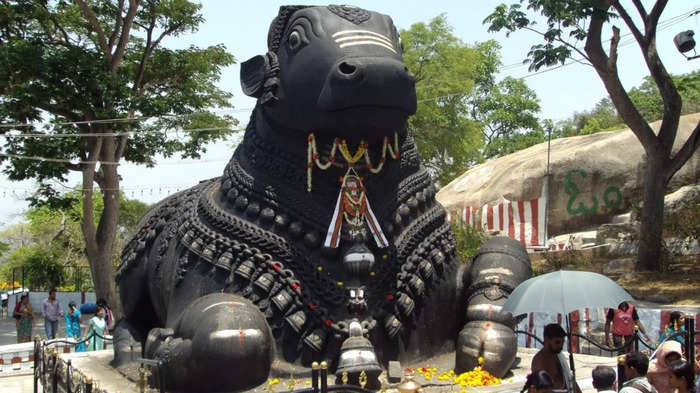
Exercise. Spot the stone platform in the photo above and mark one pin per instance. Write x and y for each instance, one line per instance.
(96, 365)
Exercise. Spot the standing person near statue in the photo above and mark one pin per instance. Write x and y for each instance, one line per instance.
(24, 319)
(73, 326)
(634, 375)
(96, 329)
(623, 320)
(109, 317)
(551, 360)
(51, 310)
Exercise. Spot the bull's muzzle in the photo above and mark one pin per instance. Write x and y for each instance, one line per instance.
(369, 82)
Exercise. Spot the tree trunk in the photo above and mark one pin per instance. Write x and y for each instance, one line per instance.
(652, 216)
(103, 278)
(99, 241)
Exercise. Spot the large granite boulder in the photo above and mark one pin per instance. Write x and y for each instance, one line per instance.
(592, 177)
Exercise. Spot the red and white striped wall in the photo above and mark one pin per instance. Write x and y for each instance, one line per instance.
(19, 358)
(521, 220)
(16, 358)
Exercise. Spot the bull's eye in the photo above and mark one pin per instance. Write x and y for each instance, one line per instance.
(294, 40)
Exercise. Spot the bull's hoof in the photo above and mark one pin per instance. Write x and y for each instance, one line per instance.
(492, 341)
(221, 343)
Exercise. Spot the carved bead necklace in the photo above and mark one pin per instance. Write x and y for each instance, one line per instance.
(313, 157)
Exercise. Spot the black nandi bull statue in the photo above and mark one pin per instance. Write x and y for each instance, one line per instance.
(322, 240)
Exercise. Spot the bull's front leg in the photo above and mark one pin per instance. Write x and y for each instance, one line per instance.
(214, 331)
(499, 266)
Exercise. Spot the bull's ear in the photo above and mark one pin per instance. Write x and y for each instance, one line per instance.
(253, 73)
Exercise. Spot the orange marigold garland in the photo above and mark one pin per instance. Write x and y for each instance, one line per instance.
(475, 377)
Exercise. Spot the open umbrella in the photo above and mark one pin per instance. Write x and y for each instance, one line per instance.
(562, 292)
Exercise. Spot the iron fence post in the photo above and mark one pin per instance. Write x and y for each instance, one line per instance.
(37, 341)
(314, 376)
(620, 371)
(690, 338)
(324, 377)
(54, 380)
(68, 373)
(161, 377)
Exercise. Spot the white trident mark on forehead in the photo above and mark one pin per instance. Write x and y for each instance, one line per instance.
(362, 37)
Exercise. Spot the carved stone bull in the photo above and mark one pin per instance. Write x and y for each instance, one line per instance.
(322, 240)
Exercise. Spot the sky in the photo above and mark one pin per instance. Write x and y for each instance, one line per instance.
(241, 25)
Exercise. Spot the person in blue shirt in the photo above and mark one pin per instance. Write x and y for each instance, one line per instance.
(73, 326)
(676, 324)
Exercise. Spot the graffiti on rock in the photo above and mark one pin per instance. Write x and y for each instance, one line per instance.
(612, 196)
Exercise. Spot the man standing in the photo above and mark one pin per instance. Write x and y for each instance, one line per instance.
(635, 374)
(551, 360)
(604, 379)
(51, 310)
(623, 321)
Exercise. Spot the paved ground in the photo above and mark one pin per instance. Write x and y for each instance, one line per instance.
(95, 365)
(8, 330)
(17, 384)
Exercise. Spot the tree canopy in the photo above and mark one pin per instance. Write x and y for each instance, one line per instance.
(53, 252)
(464, 115)
(646, 97)
(75, 77)
(568, 22)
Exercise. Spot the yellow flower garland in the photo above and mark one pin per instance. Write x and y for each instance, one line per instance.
(313, 157)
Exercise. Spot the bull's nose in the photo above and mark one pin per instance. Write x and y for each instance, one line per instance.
(347, 69)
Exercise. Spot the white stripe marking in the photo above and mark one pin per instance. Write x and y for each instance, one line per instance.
(516, 221)
(363, 37)
(231, 333)
(367, 43)
(344, 32)
(528, 221)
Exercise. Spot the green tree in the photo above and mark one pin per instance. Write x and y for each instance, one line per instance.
(647, 98)
(73, 66)
(4, 247)
(444, 68)
(506, 110)
(464, 114)
(603, 116)
(54, 229)
(570, 21)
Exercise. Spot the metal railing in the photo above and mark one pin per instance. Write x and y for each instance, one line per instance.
(637, 342)
(46, 363)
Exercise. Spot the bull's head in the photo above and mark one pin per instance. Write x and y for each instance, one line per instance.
(333, 70)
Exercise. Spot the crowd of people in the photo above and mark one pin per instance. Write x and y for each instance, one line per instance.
(667, 371)
(98, 325)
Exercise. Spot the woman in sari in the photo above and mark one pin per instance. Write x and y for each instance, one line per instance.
(24, 319)
(676, 324)
(97, 325)
(73, 326)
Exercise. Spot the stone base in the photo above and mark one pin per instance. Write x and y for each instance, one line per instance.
(96, 365)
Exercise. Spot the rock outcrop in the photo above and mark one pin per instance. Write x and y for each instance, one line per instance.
(592, 177)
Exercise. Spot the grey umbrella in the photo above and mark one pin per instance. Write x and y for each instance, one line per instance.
(562, 292)
(565, 291)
